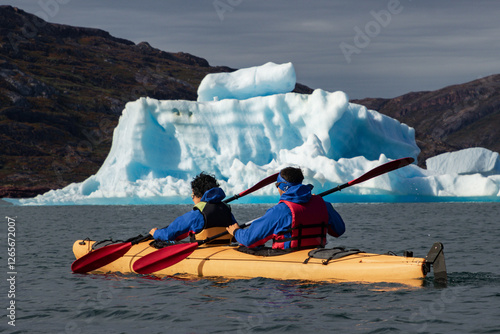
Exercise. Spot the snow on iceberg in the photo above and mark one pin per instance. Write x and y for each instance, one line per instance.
(159, 146)
(250, 82)
(467, 161)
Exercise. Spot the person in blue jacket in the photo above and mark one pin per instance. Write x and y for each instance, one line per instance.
(209, 216)
(300, 220)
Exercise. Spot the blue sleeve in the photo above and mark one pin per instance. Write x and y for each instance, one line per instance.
(180, 228)
(336, 226)
(276, 219)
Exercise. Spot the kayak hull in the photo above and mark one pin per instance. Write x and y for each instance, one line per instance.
(226, 261)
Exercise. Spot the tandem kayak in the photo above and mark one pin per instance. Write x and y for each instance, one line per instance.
(330, 265)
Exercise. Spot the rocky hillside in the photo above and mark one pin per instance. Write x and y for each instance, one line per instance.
(63, 88)
(448, 119)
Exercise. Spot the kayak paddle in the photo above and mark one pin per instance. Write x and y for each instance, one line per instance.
(382, 169)
(107, 254)
(102, 256)
(170, 255)
(257, 186)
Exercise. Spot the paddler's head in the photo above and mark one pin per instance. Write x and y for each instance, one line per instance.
(202, 183)
(288, 177)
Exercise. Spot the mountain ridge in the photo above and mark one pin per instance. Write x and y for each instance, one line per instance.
(63, 88)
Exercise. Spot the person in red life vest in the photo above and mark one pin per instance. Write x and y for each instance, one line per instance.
(209, 216)
(300, 220)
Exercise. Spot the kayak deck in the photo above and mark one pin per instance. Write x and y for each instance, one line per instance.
(228, 262)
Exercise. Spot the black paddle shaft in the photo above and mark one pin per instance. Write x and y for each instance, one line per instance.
(337, 188)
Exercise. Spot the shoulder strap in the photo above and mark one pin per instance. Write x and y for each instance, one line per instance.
(200, 206)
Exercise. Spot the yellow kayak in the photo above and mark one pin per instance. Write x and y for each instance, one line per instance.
(228, 262)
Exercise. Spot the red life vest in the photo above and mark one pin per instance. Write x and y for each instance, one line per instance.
(309, 225)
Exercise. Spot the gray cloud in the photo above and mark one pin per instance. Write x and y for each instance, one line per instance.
(408, 45)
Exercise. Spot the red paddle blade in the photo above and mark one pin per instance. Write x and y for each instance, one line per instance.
(163, 258)
(100, 257)
(262, 183)
(382, 169)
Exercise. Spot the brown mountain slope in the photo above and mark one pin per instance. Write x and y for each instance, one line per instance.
(62, 90)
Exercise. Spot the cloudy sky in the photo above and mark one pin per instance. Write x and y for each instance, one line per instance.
(366, 48)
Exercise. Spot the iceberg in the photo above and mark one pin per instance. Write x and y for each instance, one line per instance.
(247, 125)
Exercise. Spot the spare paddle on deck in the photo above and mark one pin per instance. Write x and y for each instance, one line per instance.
(170, 255)
(107, 254)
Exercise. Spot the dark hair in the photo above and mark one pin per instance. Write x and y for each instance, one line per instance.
(203, 182)
(292, 174)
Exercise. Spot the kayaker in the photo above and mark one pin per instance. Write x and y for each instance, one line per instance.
(209, 216)
(300, 220)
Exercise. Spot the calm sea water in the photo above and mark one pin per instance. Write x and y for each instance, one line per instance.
(51, 299)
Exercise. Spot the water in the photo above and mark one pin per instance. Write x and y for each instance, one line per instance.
(51, 299)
